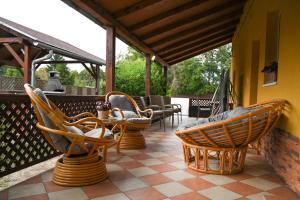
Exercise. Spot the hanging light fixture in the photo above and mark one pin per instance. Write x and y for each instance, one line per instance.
(153, 58)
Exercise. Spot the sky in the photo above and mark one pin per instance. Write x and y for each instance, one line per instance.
(57, 19)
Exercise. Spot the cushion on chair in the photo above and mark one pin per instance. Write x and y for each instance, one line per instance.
(142, 120)
(60, 142)
(196, 123)
(127, 114)
(120, 101)
(238, 111)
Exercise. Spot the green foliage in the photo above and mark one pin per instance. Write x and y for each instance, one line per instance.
(130, 74)
(11, 72)
(64, 71)
(199, 75)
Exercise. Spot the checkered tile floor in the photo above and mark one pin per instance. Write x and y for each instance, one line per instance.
(158, 172)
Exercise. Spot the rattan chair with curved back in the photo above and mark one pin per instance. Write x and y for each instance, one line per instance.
(220, 147)
(78, 138)
(136, 119)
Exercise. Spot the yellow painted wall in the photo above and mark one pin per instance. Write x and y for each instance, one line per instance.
(253, 27)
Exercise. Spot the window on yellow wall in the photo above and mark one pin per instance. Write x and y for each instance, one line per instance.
(272, 48)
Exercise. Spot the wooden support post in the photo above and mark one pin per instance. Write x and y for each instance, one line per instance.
(27, 64)
(148, 76)
(110, 59)
(97, 79)
(165, 79)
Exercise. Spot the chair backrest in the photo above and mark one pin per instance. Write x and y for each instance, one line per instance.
(48, 117)
(122, 101)
(144, 104)
(156, 100)
(167, 100)
(237, 131)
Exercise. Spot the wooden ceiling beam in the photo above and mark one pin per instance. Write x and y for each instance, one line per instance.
(135, 7)
(14, 54)
(196, 53)
(97, 12)
(228, 18)
(167, 14)
(11, 40)
(199, 37)
(236, 4)
(195, 46)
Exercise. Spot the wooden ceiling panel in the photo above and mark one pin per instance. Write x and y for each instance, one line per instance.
(195, 20)
(170, 29)
(155, 9)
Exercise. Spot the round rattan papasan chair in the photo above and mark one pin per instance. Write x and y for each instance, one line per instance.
(218, 144)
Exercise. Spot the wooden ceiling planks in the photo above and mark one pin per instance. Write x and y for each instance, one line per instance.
(171, 30)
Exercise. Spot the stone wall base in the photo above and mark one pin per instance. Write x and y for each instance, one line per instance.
(282, 150)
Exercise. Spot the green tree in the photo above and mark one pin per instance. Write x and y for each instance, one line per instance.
(62, 68)
(10, 71)
(199, 75)
(130, 74)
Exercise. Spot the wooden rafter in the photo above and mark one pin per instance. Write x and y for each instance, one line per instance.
(197, 43)
(103, 17)
(208, 48)
(205, 36)
(236, 4)
(223, 19)
(11, 40)
(89, 70)
(197, 48)
(14, 54)
(61, 62)
(135, 7)
(167, 14)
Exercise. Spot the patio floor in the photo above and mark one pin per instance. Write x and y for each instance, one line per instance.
(158, 172)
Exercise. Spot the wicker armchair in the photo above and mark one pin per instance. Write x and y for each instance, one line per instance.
(135, 117)
(215, 146)
(78, 138)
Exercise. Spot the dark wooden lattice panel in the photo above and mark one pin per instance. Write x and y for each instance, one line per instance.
(21, 143)
(199, 107)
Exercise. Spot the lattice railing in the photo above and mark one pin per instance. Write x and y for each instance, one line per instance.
(21, 143)
(199, 107)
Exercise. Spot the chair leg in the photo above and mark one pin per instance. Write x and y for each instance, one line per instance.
(181, 115)
(178, 118)
(172, 120)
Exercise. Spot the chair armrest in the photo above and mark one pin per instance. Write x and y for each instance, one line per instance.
(147, 111)
(73, 136)
(84, 114)
(118, 110)
(154, 107)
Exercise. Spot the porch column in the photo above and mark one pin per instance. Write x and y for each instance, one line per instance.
(27, 64)
(148, 76)
(165, 79)
(97, 79)
(110, 58)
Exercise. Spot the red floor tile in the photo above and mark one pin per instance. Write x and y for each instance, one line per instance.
(52, 187)
(240, 176)
(35, 179)
(100, 189)
(273, 178)
(284, 192)
(140, 157)
(35, 197)
(4, 194)
(155, 179)
(190, 196)
(145, 194)
(241, 188)
(119, 175)
(196, 183)
(169, 159)
(130, 164)
(163, 168)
